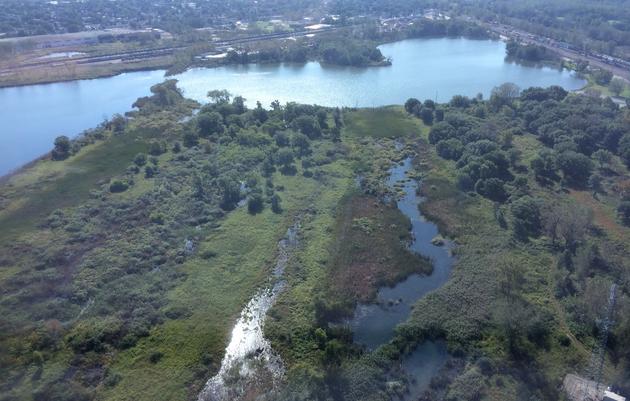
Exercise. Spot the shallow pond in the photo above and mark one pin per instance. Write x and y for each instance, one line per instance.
(373, 324)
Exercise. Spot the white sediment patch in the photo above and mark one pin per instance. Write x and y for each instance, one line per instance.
(249, 357)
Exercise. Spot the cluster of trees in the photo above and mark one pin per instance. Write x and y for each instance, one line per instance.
(579, 134)
(348, 52)
(529, 53)
(582, 142)
(426, 111)
(335, 49)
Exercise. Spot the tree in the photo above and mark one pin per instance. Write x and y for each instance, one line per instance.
(441, 131)
(460, 101)
(301, 142)
(624, 212)
(491, 188)
(595, 183)
(602, 156)
(307, 125)
(504, 95)
(322, 116)
(260, 114)
(282, 138)
(526, 217)
(231, 192)
(544, 165)
(210, 123)
(61, 150)
(624, 148)
(276, 204)
(576, 167)
(149, 171)
(140, 159)
(157, 148)
(567, 221)
(411, 104)
(617, 86)
(450, 149)
(118, 186)
(439, 115)
(285, 157)
(191, 139)
(426, 114)
(239, 104)
(219, 96)
(255, 203)
(602, 77)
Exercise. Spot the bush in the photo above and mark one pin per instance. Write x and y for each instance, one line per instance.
(191, 139)
(118, 186)
(255, 203)
(491, 188)
(156, 148)
(441, 131)
(576, 167)
(155, 356)
(149, 172)
(526, 216)
(624, 212)
(411, 105)
(61, 150)
(426, 114)
(276, 206)
(140, 159)
(210, 123)
(450, 149)
(94, 334)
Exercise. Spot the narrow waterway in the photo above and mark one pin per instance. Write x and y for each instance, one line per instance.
(373, 324)
(249, 363)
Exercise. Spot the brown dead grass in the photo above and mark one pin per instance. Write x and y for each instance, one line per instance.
(371, 249)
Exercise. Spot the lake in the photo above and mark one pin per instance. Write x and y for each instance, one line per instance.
(32, 116)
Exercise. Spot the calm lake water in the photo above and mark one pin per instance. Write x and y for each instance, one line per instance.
(32, 116)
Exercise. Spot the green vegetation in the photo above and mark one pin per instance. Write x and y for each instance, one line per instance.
(128, 255)
(384, 122)
(534, 54)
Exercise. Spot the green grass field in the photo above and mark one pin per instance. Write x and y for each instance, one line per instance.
(384, 122)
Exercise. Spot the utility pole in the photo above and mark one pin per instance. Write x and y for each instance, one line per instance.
(598, 355)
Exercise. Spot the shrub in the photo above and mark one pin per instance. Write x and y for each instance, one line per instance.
(526, 217)
(450, 149)
(255, 203)
(61, 150)
(575, 166)
(140, 159)
(155, 356)
(491, 188)
(191, 139)
(149, 172)
(624, 212)
(276, 206)
(118, 186)
(441, 131)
